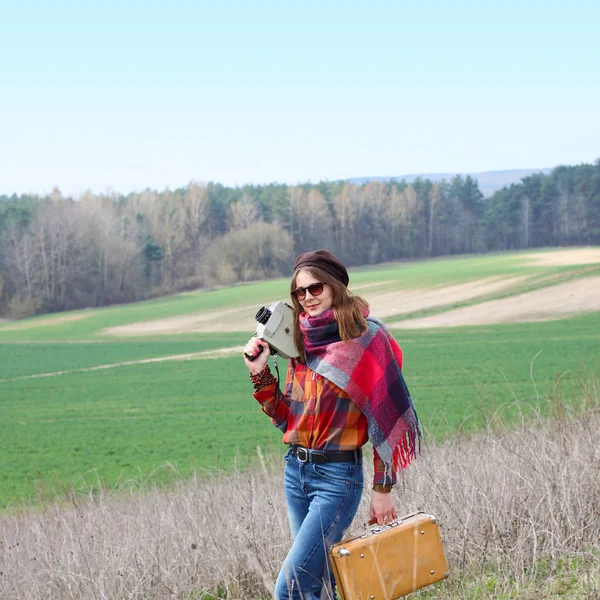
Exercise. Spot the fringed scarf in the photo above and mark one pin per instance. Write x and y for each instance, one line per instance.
(369, 369)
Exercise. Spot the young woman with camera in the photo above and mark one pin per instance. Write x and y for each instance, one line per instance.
(345, 387)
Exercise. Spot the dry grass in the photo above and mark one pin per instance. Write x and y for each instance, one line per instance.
(520, 514)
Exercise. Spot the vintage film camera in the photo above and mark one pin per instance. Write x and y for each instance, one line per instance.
(276, 327)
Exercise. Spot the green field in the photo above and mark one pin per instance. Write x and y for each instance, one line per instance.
(91, 427)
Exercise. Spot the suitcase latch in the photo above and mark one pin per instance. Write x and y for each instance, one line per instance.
(342, 552)
(382, 528)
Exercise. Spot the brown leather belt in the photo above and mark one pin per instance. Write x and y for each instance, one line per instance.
(323, 456)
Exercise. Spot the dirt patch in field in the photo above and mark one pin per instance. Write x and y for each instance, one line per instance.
(565, 258)
(235, 319)
(206, 355)
(554, 302)
(368, 286)
(406, 301)
(382, 304)
(222, 353)
(45, 322)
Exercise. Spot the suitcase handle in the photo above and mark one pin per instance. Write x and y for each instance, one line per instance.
(374, 522)
(399, 520)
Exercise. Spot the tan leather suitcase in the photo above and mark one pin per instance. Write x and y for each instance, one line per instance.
(390, 561)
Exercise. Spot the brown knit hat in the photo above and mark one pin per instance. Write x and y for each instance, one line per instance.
(323, 259)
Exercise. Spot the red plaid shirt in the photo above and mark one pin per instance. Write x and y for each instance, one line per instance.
(315, 413)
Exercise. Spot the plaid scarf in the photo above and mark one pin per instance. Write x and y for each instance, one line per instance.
(368, 369)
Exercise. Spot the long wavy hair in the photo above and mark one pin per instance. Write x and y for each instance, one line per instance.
(347, 308)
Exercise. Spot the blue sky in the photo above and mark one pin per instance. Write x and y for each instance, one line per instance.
(129, 95)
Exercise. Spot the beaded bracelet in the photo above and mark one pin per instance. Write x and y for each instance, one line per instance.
(263, 379)
(383, 488)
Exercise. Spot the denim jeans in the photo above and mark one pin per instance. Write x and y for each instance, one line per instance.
(322, 500)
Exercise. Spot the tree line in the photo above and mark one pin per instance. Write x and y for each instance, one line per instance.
(60, 253)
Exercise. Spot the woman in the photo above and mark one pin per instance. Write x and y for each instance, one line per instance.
(345, 387)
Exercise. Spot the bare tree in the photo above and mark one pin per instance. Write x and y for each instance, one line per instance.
(113, 251)
(395, 215)
(346, 209)
(253, 253)
(375, 197)
(311, 218)
(243, 214)
(318, 219)
(435, 197)
(19, 264)
(58, 240)
(195, 207)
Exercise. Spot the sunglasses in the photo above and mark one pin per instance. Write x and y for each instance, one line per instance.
(315, 289)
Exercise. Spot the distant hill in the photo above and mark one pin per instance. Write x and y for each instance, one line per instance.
(489, 181)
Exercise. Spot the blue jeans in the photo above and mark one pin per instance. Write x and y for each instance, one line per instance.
(322, 500)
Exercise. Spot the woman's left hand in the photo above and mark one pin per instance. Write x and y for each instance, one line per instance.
(382, 508)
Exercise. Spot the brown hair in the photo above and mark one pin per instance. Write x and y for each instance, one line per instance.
(348, 309)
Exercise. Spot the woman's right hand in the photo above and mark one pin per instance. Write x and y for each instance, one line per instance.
(252, 348)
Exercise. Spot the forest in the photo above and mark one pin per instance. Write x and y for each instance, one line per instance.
(61, 253)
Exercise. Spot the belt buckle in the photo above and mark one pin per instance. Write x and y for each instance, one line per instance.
(302, 455)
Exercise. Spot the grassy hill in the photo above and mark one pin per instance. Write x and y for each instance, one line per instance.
(83, 402)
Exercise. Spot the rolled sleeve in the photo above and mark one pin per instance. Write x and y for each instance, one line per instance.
(379, 471)
(276, 404)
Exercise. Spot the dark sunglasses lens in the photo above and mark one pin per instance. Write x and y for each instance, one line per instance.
(316, 289)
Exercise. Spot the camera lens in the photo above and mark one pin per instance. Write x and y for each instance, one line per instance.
(263, 315)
